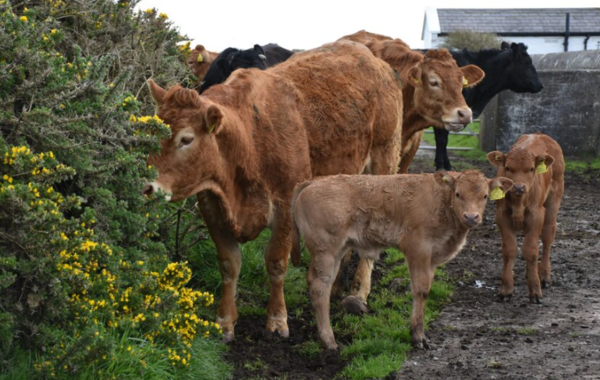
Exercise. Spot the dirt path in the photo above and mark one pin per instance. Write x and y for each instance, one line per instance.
(476, 337)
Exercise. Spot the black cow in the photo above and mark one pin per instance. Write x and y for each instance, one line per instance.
(509, 68)
(232, 59)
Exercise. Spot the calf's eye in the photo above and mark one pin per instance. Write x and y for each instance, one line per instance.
(457, 195)
(186, 140)
(485, 196)
(531, 170)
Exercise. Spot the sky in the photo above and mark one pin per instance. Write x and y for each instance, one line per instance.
(305, 24)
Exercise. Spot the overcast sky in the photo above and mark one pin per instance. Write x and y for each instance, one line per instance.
(305, 24)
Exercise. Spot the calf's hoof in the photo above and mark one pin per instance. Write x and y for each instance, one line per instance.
(545, 284)
(278, 325)
(536, 299)
(420, 344)
(330, 344)
(504, 297)
(354, 305)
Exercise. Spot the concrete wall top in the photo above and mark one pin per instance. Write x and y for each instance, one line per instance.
(568, 61)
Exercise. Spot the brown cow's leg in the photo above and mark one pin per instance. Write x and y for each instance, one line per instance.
(410, 150)
(276, 260)
(320, 278)
(339, 284)
(548, 234)
(421, 276)
(361, 285)
(509, 253)
(230, 262)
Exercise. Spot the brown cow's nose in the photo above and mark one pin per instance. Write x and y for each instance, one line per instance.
(465, 116)
(471, 218)
(518, 189)
(148, 189)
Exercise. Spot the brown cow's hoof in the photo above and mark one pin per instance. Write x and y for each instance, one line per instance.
(354, 305)
(545, 284)
(504, 297)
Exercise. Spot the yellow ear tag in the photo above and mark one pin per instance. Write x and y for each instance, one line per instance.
(498, 158)
(496, 194)
(541, 168)
(200, 58)
(415, 79)
(465, 82)
(211, 128)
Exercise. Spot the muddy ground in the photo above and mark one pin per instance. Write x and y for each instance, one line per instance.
(475, 336)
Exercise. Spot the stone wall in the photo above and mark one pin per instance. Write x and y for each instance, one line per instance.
(567, 109)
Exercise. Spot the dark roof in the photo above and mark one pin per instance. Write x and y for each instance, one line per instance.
(520, 21)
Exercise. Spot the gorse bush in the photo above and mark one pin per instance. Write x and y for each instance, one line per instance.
(86, 284)
(474, 41)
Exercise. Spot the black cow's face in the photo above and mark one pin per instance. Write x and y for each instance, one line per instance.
(522, 76)
(243, 59)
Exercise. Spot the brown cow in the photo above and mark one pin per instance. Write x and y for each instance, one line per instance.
(432, 92)
(199, 61)
(427, 216)
(242, 146)
(536, 165)
(432, 95)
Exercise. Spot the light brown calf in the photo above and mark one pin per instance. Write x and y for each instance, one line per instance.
(536, 165)
(243, 145)
(199, 61)
(432, 91)
(427, 216)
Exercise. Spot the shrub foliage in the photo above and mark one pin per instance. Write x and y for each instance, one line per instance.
(474, 41)
(84, 271)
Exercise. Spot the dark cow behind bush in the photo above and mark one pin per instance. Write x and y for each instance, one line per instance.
(243, 145)
(232, 59)
(509, 68)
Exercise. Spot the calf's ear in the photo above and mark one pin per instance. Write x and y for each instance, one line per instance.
(496, 158)
(502, 183)
(543, 162)
(444, 178)
(158, 93)
(414, 76)
(213, 119)
(472, 75)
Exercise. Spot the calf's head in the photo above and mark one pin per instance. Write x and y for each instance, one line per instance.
(189, 160)
(521, 166)
(471, 191)
(199, 61)
(438, 84)
(522, 76)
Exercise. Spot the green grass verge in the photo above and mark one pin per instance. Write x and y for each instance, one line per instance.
(582, 165)
(462, 141)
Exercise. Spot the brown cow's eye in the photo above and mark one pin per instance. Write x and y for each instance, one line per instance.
(457, 195)
(531, 170)
(507, 169)
(434, 84)
(485, 196)
(186, 140)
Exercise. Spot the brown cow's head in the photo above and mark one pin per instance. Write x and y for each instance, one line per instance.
(438, 84)
(199, 61)
(189, 160)
(521, 166)
(471, 191)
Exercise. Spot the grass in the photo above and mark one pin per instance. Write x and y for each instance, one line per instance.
(527, 331)
(462, 141)
(582, 165)
(380, 340)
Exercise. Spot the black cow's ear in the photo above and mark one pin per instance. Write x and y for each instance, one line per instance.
(504, 45)
(258, 50)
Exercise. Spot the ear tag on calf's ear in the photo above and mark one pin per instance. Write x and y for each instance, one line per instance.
(200, 58)
(498, 158)
(465, 82)
(415, 79)
(541, 168)
(211, 128)
(496, 194)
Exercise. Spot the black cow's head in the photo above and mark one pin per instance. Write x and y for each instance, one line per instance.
(230, 60)
(522, 76)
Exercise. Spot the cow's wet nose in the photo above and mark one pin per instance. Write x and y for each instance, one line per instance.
(148, 189)
(471, 218)
(465, 116)
(518, 189)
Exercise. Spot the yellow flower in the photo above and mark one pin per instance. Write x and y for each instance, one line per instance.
(163, 15)
(23, 18)
(149, 11)
(53, 31)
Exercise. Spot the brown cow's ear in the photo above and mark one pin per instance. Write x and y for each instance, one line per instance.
(444, 178)
(158, 93)
(414, 76)
(496, 158)
(500, 182)
(543, 162)
(472, 75)
(213, 119)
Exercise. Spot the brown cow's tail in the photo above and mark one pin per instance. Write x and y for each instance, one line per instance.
(295, 231)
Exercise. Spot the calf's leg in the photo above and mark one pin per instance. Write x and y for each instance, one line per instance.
(421, 276)
(322, 271)
(530, 255)
(509, 252)
(548, 234)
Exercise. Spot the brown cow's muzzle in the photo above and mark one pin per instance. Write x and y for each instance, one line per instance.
(153, 187)
(458, 119)
(471, 219)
